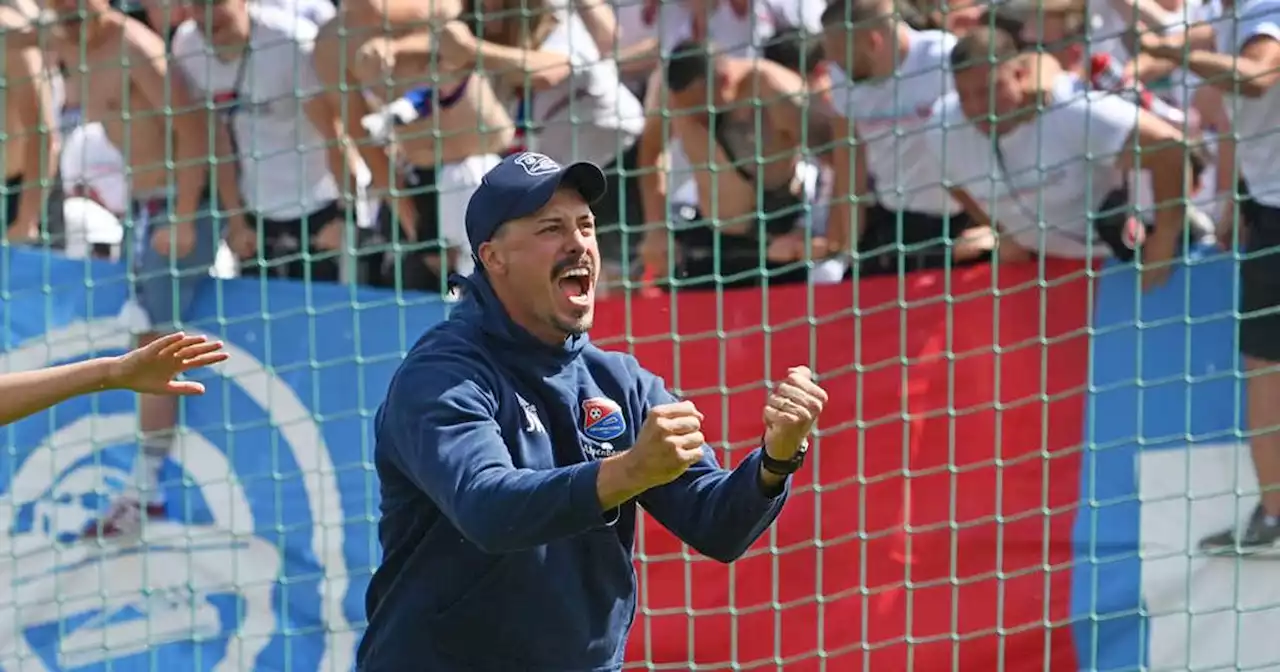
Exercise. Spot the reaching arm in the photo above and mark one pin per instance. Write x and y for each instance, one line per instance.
(323, 115)
(22, 394)
(1156, 146)
(536, 68)
(639, 58)
(1256, 69)
(601, 22)
(151, 369)
(344, 92)
(719, 513)
(448, 443)
(149, 69)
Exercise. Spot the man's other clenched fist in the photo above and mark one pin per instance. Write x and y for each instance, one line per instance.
(790, 412)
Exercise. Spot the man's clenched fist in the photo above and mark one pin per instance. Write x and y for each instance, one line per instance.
(790, 412)
(670, 442)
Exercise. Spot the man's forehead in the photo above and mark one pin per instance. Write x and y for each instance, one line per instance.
(566, 203)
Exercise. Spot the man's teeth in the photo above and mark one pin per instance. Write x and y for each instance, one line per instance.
(576, 273)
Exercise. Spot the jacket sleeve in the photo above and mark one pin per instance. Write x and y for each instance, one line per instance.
(444, 436)
(718, 512)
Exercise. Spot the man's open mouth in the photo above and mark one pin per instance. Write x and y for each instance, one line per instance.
(575, 284)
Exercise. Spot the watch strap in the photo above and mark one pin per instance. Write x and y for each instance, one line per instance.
(784, 467)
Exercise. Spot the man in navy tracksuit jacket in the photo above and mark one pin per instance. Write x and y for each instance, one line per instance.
(512, 454)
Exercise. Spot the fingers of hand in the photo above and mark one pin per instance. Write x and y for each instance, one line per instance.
(175, 348)
(775, 418)
(802, 378)
(184, 387)
(775, 415)
(800, 398)
(205, 360)
(687, 448)
(162, 344)
(676, 410)
(680, 424)
(198, 351)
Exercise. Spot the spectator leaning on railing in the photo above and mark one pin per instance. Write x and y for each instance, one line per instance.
(1060, 155)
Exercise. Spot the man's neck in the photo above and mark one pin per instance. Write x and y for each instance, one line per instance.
(538, 329)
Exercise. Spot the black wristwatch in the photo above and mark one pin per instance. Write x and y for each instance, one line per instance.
(784, 467)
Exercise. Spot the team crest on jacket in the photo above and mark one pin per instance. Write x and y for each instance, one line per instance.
(602, 419)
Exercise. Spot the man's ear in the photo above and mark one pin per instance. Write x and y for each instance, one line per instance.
(491, 257)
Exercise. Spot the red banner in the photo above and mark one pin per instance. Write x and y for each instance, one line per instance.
(932, 527)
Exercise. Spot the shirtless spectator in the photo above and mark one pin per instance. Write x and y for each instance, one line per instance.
(424, 170)
(173, 240)
(252, 67)
(32, 134)
(751, 192)
(568, 102)
(739, 28)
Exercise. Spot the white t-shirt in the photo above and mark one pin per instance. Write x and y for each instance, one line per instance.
(1255, 120)
(891, 116)
(1049, 175)
(283, 169)
(588, 117)
(315, 12)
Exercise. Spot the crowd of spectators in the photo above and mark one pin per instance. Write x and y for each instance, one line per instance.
(737, 150)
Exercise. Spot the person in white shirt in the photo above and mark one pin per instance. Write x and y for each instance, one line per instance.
(315, 12)
(569, 103)
(1051, 169)
(1246, 67)
(256, 69)
(1058, 28)
(886, 79)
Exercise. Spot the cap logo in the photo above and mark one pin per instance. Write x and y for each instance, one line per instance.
(536, 165)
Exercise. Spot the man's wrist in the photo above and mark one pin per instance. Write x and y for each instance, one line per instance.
(618, 481)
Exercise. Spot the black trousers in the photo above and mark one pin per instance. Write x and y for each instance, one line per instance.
(1260, 281)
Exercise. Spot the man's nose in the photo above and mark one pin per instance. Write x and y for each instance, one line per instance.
(576, 241)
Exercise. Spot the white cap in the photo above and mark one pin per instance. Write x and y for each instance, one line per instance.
(93, 167)
(87, 224)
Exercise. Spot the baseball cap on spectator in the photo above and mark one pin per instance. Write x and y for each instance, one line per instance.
(520, 185)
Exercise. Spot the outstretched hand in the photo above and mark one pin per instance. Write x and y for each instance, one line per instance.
(153, 368)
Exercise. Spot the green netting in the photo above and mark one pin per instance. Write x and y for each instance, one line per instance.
(986, 398)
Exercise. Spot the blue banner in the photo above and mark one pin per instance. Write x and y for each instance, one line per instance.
(268, 544)
(1160, 468)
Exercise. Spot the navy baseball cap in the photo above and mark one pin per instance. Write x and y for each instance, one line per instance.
(520, 186)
